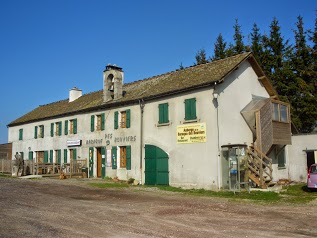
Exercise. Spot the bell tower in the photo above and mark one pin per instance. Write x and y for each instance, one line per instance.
(112, 83)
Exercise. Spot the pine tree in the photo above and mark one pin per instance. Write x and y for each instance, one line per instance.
(201, 57)
(256, 43)
(238, 39)
(219, 48)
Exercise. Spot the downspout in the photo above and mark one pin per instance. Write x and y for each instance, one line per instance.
(215, 98)
(141, 103)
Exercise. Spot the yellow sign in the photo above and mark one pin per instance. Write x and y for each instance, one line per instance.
(191, 133)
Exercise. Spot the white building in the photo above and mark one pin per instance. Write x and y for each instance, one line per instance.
(207, 126)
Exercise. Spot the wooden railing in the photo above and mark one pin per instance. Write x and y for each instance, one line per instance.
(260, 167)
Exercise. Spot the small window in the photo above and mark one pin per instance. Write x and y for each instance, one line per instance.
(125, 157)
(122, 119)
(163, 113)
(58, 126)
(280, 112)
(73, 126)
(281, 159)
(313, 169)
(41, 131)
(190, 109)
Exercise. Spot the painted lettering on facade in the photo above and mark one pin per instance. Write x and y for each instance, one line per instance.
(125, 139)
(191, 133)
(94, 142)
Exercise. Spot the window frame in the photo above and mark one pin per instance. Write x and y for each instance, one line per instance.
(280, 112)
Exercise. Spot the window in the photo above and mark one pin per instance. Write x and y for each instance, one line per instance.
(190, 109)
(99, 125)
(73, 126)
(122, 118)
(20, 134)
(39, 131)
(58, 156)
(40, 157)
(125, 157)
(58, 126)
(281, 158)
(163, 113)
(72, 154)
(280, 112)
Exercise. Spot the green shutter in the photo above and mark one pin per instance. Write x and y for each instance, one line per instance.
(52, 129)
(74, 154)
(91, 161)
(60, 128)
(66, 128)
(75, 126)
(190, 109)
(51, 156)
(45, 156)
(65, 156)
(35, 132)
(128, 157)
(30, 155)
(102, 121)
(59, 156)
(114, 157)
(21, 134)
(128, 118)
(116, 116)
(42, 131)
(22, 155)
(163, 113)
(92, 123)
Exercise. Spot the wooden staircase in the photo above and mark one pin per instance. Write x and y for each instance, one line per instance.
(259, 167)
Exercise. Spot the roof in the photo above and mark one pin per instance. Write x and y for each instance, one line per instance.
(154, 87)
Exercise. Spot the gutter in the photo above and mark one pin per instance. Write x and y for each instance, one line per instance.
(142, 105)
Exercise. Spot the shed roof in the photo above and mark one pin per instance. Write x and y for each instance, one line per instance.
(157, 86)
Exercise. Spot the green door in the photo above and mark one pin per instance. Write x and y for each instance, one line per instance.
(156, 166)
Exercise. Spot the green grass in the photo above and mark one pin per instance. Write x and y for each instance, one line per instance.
(298, 194)
(292, 194)
(109, 185)
(5, 175)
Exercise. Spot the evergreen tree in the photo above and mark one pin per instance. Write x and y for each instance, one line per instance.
(181, 66)
(238, 39)
(201, 57)
(256, 43)
(302, 95)
(219, 48)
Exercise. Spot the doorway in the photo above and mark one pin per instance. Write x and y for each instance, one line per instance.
(99, 163)
(156, 166)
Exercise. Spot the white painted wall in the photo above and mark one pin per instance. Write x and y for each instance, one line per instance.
(297, 160)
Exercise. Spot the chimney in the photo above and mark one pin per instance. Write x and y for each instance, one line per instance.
(74, 93)
(113, 82)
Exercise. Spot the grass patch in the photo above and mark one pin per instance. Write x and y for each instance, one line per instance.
(298, 194)
(6, 176)
(254, 195)
(109, 185)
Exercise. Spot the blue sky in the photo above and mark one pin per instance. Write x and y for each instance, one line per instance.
(49, 46)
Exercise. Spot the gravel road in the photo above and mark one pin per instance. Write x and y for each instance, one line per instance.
(71, 208)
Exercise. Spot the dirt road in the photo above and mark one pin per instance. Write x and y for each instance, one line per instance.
(71, 208)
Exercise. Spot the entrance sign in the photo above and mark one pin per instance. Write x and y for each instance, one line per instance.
(191, 133)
